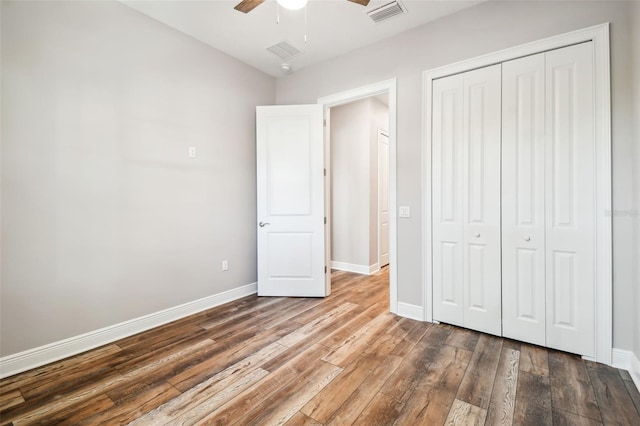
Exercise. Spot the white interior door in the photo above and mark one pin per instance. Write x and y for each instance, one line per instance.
(383, 198)
(447, 193)
(570, 199)
(523, 214)
(481, 200)
(290, 198)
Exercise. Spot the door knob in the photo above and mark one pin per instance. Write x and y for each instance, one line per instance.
(477, 235)
(263, 224)
(527, 238)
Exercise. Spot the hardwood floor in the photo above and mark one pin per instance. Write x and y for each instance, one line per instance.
(336, 361)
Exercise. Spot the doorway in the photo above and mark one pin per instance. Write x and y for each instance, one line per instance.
(373, 95)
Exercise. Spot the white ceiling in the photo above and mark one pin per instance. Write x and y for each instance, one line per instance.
(334, 27)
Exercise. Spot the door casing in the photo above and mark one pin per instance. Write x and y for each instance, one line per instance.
(328, 102)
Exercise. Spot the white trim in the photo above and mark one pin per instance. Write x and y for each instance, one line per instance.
(634, 370)
(410, 311)
(356, 269)
(621, 359)
(36, 357)
(599, 35)
(627, 360)
(387, 86)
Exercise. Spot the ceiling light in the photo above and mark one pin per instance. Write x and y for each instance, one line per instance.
(292, 4)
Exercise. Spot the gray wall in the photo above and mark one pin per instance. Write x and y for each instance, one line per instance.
(635, 25)
(354, 180)
(350, 152)
(104, 216)
(486, 28)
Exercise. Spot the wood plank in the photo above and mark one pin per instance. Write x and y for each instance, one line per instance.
(512, 344)
(564, 418)
(359, 341)
(300, 419)
(534, 360)
(73, 414)
(351, 409)
(411, 339)
(477, 383)
(321, 322)
(233, 316)
(463, 413)
(338, 337)
(430, 402)
(503, 398)
(463, 338)
(10, 399)
(294, 396)
(624, 374)
(40, 412)
(571, 386)
(633, 393)
(382, 410)
(135, 404)
(533, 400)
(403, 327)
(249, 402)
(192, 376)
(326, 402)
(614, 401)
(414, 366)
(80, 365)
(212, 393)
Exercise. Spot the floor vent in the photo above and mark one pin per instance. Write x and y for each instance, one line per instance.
(387, 11)
(284, 50)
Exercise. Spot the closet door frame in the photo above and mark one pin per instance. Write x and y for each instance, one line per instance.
(599, 36)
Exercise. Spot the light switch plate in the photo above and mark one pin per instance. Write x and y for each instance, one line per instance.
(404, 211)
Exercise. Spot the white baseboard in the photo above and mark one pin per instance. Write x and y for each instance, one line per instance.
(627, 360)
(36, 357)
(356, 269)
(408, 310)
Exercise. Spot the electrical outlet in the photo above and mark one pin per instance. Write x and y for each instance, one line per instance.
(192, 152)
(225, 265)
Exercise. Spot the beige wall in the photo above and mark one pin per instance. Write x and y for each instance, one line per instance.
(482, 29)
(104, 216)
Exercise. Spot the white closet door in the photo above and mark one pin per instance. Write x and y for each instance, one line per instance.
(481, 200)
(447, 193)
(570, 199)
(523, 225)
(466, 200)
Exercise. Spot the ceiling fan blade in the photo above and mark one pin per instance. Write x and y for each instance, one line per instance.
(362, 2)
(246, 6)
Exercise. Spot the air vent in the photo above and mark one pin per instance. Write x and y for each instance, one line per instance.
(284, 50)
(387, 11)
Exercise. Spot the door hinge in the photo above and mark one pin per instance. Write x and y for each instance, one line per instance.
(325, 269)
(324, 171)
(324, 122)
(325, 220)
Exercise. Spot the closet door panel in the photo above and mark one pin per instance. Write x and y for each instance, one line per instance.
(570, 199)
(523, 240)
(481, 199)
(447, 190)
